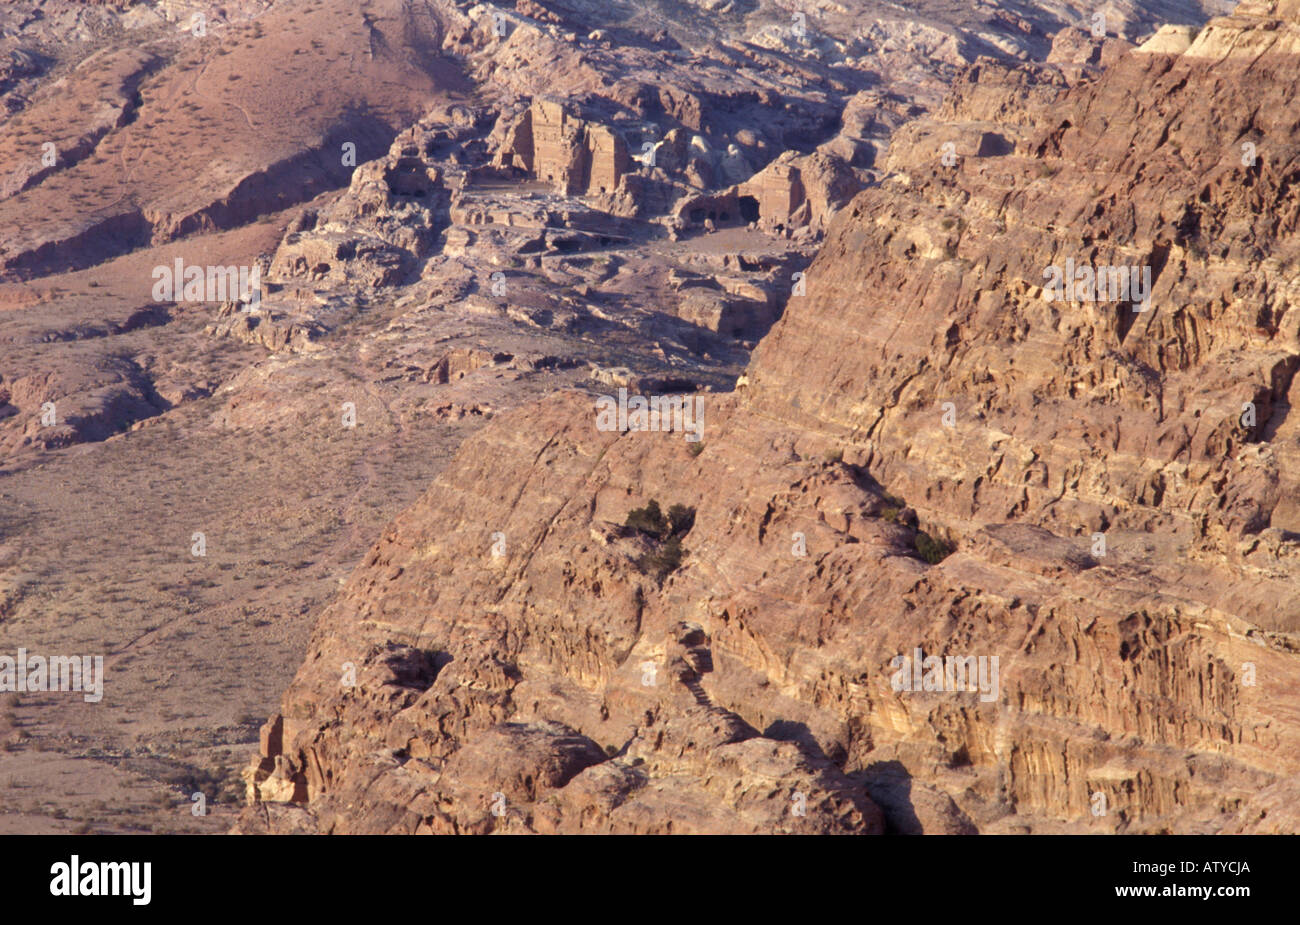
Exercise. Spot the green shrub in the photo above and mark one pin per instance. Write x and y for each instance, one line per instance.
(651, 520)
(667, 530)
(648, 519)
(664, 560)
(932, 550)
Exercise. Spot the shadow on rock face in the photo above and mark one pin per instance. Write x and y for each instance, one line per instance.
(912, 808)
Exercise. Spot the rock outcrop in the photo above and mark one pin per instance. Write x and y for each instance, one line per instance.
(929, 467)
(417, 278)
(377, 232)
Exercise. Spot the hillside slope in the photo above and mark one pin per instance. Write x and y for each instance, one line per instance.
(1145, 681)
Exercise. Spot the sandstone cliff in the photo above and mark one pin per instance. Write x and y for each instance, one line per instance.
(505, 661)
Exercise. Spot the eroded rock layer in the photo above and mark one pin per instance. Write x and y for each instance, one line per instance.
(1116, 476)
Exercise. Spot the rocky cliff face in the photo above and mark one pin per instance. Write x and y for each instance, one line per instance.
(1115, 479)
(1167, 415)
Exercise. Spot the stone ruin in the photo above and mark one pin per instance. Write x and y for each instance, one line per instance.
(793, 192)
(556, 146)
(777, 192)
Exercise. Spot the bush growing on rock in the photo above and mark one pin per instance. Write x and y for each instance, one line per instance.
(666, 530)
(664, 560)
(932, 550)
(648, 519)
(651, 520)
